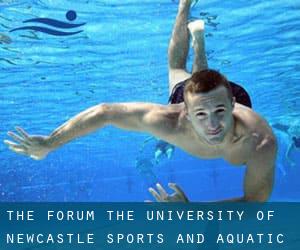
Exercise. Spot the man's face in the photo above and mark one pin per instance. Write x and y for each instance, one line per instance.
(210, 114)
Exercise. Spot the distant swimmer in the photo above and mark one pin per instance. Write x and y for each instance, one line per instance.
(145, 161)
(163, 149)
(283, 142)
(145, 169)
(208, 117)
(292, 129)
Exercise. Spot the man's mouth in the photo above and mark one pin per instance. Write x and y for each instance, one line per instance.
(215, 131)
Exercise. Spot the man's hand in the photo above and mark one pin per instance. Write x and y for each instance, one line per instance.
(163, 196)
(33, 146)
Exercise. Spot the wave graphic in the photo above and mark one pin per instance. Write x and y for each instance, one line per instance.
(54, 23)
(47, 30)
(70, 15)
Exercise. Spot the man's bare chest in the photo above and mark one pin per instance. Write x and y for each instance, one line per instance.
(235, 153)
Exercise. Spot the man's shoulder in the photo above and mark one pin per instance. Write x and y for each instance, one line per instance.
(252, 124)
(255, 133)
(248, 118)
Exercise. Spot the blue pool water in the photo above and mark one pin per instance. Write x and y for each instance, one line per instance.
(121, 56)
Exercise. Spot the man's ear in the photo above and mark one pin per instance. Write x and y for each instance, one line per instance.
(186, 113)
(233, 101)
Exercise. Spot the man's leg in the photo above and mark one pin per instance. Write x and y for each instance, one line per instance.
(179, 46)
(196, 29)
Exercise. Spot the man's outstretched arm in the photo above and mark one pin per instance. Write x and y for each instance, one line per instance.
(259, 178)
(131, 116)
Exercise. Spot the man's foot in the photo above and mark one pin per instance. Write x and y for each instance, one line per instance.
(187, 3)
(191, 3)
(196, 29)
(170, 152)
(157, 156)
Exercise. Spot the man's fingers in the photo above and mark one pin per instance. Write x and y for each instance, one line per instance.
(11, 144)
(15, 147)
(18, 150)
(155, 194)
(177, 189)
(161, 191)
(23, 133)
(16, 137)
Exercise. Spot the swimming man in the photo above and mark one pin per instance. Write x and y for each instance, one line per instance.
(209, 119)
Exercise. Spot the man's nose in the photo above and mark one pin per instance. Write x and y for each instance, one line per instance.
(213, 123)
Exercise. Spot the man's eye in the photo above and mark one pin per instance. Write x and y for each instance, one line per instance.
(201, 114)
(219, 111)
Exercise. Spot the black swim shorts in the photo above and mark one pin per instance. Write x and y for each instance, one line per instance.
(240, 94)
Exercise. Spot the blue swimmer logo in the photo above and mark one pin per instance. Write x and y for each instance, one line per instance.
(70, 16)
